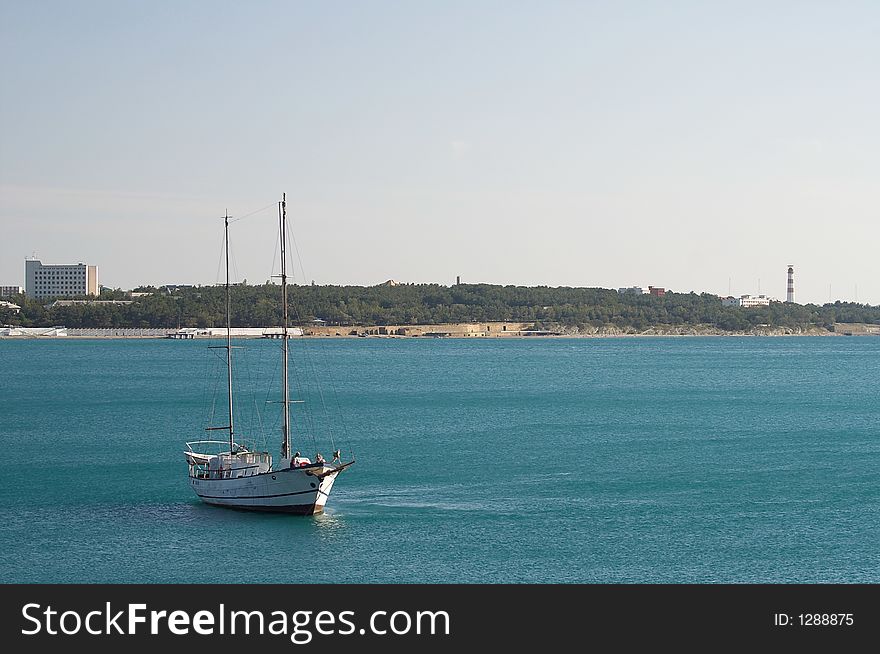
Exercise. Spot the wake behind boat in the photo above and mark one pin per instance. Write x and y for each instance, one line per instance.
(227, 473)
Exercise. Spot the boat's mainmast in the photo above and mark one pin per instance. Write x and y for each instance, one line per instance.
(229, 338)
(285, 443)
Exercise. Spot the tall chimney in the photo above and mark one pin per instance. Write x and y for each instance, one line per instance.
(458, 280)
(789, 297)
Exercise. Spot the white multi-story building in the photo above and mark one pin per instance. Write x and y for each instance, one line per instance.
(65, 280)
(9, 291)
(746, 301)
(754, 301)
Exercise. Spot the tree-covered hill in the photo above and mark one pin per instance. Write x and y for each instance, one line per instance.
(259, 306)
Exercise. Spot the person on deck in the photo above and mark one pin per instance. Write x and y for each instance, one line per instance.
(299, 461)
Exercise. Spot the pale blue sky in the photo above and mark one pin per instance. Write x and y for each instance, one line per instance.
(692, 145)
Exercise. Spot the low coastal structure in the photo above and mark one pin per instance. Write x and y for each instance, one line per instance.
(235, 332)
(145, 332)
(746, 301)
(856, 329)
(33, 332)
(458, 330)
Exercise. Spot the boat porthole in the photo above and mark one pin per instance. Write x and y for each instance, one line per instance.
(312, 484)
(273, 476)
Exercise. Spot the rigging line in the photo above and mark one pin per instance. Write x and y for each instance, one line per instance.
(329, 369)
(311, 363)
(316, 422)
(307, 419)
(254, 397)
(220, 260)
(298, 257)
(311, 360)
(290, 239)
(275, 255)
(252, 213)
(235, 274)
(255, 414)
(243, 378)
(206, 378)
(216, 387)
(212, 407)
(269, 387)
(257, 410)
(329, 372)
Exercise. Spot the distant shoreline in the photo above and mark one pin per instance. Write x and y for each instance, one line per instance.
(488, 330)
(423, 338)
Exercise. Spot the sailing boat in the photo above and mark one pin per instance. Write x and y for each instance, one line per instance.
(241, 478)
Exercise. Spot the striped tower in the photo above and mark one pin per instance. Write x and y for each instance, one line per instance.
(789, 297)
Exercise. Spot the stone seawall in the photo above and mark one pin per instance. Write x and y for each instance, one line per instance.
(459, 330)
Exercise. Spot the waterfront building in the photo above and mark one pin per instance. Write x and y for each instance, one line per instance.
(632, 290)
(745, 301)
(73, 303)
(9, 291)
(54, 280)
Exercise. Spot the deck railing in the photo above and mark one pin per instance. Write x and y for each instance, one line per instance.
(201, 471)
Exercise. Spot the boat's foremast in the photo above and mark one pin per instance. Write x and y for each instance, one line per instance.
(285, 390)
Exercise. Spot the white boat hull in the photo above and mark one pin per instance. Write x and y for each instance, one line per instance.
(301, 491)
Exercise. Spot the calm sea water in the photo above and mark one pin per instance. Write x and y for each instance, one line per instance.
(565, 460)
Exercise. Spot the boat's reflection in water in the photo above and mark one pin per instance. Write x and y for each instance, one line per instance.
(328, 525)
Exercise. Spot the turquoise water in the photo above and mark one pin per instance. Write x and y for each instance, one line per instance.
(564, 460)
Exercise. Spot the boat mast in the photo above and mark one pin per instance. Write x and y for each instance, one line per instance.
(285, 443)
(228, 338)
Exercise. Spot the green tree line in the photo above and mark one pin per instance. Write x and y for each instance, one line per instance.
(426, 304)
